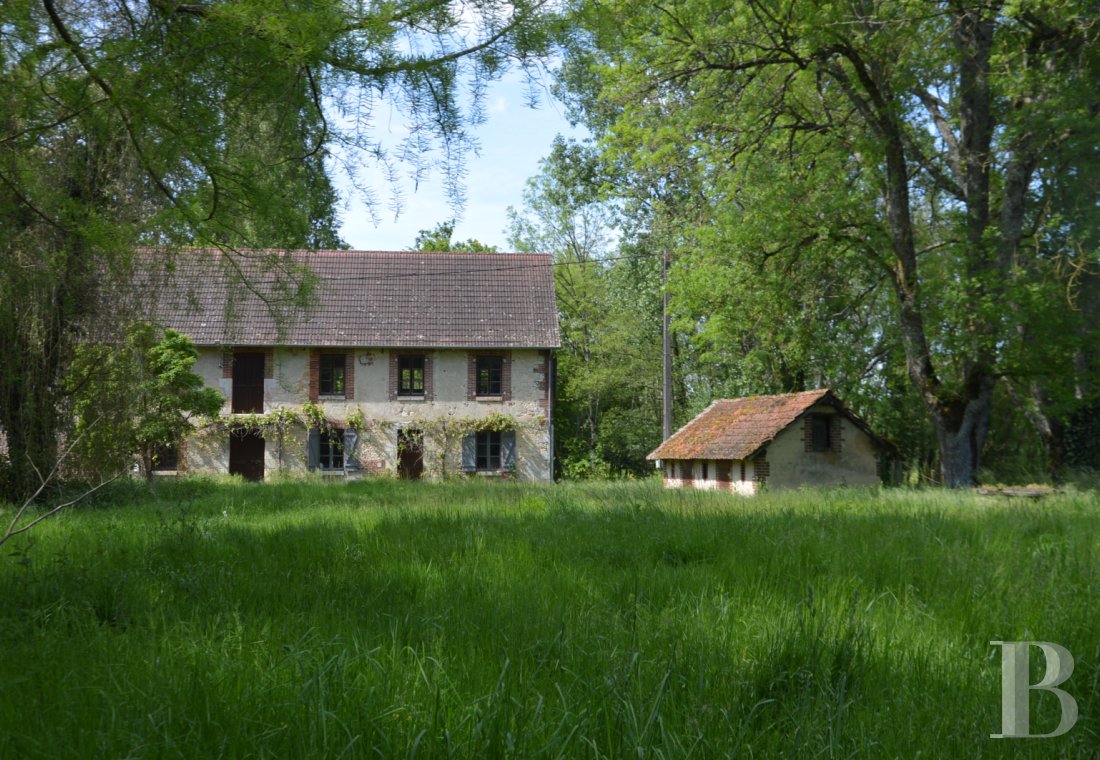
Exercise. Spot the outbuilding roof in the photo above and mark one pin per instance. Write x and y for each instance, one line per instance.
(738, 428)
(362, 298)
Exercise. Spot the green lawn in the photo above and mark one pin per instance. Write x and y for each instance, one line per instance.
(387, 619)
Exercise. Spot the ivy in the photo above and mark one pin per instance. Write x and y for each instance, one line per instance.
(444, 431)
(314, 415)
(356, 420)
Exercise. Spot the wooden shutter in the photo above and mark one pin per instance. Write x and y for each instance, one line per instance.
(469, 452)
(351, 451)
(508, 450)
(313, 450)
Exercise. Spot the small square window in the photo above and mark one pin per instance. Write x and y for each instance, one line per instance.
(820, 425)
(332, 450)
(490, 373)
(488, 450)
(410, 375)
(331, 380)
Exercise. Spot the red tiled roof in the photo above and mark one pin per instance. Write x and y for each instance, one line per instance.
(362, 298)
(737, 428)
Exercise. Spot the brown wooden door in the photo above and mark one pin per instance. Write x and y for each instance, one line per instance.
(248, 382)
(410, 454)
(246, 455)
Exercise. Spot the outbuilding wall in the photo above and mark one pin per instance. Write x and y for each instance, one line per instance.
(792, 466)
(675, 476)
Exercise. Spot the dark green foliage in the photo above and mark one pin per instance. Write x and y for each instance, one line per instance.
(210, 124)
(438, 239)
(607, 412)
(128, 399)
(856, 194)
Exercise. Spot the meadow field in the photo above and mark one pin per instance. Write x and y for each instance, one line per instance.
(480, 620)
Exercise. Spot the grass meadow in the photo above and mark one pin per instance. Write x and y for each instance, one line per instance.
(478, 620)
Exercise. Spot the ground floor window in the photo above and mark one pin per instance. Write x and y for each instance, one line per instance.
(488, 450)
(166, 457)
(332, 450)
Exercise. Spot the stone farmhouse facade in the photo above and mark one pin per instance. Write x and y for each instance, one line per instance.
(784, 441)
(407, 363)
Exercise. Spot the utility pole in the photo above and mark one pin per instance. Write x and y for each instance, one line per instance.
(666, 401)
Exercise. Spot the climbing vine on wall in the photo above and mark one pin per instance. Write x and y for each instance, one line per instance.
(445, 432)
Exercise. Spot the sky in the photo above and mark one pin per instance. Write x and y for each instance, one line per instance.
(513, 139)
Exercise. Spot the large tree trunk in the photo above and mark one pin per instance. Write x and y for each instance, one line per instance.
(961, 430)
(28, 414)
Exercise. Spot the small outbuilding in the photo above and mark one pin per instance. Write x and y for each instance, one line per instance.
(784, 441)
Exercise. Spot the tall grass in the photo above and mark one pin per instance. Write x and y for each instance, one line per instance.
(388, 619)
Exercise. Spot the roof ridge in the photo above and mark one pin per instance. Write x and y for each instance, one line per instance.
(337, 251)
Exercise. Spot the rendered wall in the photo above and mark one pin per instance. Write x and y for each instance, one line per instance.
(528, 405)
(792, 466)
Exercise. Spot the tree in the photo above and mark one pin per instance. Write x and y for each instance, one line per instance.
(862, 147)
(438, 239)
(136, 398)
(607, 415)
(209, 124)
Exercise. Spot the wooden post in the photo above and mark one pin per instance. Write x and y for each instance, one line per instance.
(666, 401)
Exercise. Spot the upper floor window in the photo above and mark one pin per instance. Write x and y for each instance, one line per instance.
(331, 380)
(490, 374)
(410, 375)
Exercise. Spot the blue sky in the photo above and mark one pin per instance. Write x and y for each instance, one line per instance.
(513, 139)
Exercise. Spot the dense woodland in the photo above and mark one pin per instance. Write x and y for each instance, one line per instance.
(898, 201)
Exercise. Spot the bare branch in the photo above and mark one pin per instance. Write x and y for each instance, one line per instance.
(11, 533)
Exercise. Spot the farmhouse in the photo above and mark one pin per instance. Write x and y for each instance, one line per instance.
(409, 363)
(785, 441)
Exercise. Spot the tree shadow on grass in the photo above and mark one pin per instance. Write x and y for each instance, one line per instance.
(698, 623)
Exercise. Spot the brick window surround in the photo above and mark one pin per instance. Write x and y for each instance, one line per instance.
(761, 470)
(722, 471)
(687, 472)
(835, 432)
(505, 374)
(429, 393)
(315, 373)
(227, 361)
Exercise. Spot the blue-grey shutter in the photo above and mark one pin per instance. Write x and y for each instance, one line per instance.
(508, 450)
(469, 452)
(351, 451)
(313, 449)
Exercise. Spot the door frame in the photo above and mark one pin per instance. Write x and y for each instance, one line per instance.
(249, 467)
(415, 452)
